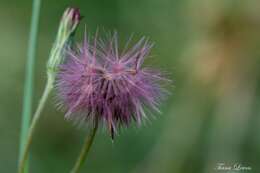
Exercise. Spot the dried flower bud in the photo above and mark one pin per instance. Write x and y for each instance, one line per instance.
(70, 19)
(67, 27)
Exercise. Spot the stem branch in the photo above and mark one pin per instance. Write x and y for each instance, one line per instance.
(35, 119)
(85, 149)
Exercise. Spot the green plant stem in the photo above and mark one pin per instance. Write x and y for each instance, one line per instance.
(29, 75)
(47, 90)
(85, 149)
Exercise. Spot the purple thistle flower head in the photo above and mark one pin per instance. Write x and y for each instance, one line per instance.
(98, 83)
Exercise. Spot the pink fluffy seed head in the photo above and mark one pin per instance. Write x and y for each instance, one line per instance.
(96, 82)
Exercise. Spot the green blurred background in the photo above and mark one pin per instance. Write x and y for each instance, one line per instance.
(211, 50)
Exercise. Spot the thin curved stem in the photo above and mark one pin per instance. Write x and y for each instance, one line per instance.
(85, 149)
(36, 117)
(68, 25)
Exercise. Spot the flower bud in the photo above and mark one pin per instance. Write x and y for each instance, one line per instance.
(67, 27)
(70, 19)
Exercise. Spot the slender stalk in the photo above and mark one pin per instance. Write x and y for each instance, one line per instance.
(85, 149)
(35, 119)
(29, 75)
(67, 27)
